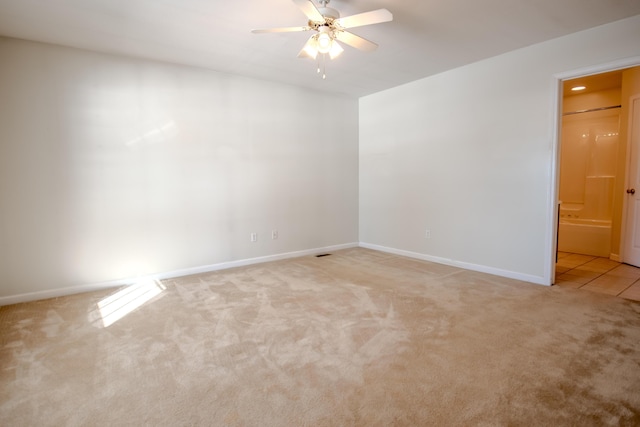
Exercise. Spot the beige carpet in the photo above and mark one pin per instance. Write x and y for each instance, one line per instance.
(358, 338)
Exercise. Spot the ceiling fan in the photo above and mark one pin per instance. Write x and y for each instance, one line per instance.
(330, 28)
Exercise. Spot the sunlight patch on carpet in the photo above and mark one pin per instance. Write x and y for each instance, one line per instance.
(118, 305)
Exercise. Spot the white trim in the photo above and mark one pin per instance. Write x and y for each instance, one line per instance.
(620, 64)
(624, 226)
(551, 238)
(460, 264)
(60, 292)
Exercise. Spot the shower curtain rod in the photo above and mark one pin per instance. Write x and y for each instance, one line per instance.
(590, 110)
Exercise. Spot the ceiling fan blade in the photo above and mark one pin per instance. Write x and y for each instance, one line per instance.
(356, 41)
(366, 18)
(281, 30)
(310, 10)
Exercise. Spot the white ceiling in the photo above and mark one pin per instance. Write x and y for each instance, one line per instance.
(425, 37)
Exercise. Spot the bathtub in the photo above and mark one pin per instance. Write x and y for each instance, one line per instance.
(585, 236)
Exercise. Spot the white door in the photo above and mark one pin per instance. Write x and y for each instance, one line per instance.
(631, 254)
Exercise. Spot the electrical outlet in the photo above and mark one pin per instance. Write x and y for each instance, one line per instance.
(274, 234)
(254, 237)
(427, 234)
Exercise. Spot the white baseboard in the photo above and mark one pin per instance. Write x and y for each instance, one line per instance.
(538, 280)
(60, 292)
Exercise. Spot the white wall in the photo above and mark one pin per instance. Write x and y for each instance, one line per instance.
(113, 167)
(468, 154)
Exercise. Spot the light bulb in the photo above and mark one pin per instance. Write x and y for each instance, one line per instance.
(335, 50)
(311, 51)
(310, 48)
(324, 42)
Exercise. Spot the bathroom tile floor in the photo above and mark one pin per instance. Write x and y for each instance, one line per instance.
(598, 275)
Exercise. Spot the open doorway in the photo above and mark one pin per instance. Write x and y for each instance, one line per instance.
(598, 159)
(592, 162)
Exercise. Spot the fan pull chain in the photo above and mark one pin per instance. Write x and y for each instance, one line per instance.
(322, 65)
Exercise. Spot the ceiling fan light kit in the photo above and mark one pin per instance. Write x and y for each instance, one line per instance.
(330, 28)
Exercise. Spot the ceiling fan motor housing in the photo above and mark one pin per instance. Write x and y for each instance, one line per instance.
(329, 12)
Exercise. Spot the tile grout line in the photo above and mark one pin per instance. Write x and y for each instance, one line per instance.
(580, 265)
(625, 289)
(600, 275)
(636, 280)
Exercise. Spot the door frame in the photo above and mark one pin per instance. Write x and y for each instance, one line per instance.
(627, 176)
(556, 130)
